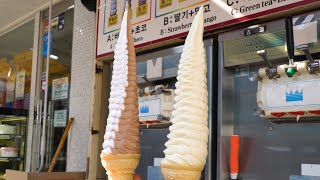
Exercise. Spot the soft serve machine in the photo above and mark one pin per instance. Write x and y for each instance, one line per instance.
(269, 88)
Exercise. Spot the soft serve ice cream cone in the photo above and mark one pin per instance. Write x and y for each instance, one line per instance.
(186, 152)
(121, 146)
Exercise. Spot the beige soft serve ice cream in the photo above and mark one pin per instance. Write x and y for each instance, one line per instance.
(186, 152)
(121, 146)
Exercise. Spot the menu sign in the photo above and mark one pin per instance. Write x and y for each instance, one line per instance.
(155, 21)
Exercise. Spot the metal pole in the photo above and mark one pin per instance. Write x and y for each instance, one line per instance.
(43, 138)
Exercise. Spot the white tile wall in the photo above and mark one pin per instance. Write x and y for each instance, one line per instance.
(82, 78)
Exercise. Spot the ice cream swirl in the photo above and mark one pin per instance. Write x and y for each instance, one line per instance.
(122, 130)
(188, 138)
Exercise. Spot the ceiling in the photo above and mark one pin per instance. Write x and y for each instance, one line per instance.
(15, 13)
(12, 10)
(21, 38)
(17, 40)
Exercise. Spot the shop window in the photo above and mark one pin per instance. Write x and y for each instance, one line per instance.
(15, 81)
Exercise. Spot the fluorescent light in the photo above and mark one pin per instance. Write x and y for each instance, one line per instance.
(54, 57)
(71, 7)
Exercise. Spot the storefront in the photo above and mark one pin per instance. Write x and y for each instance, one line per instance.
(79, 87)
(159, 28)
(22, 67)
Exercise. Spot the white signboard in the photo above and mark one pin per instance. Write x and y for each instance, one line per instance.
(60, 88)
(60, 118)
(155, 21)
(305, 28)
(150, 107)
(20, 83)
(293, 94)
(157, 161)
(154, 68)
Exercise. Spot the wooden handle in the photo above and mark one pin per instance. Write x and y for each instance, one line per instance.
(63, 139)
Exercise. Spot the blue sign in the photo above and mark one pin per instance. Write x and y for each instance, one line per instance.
(144, 109)
(294, 96)
(45, 45)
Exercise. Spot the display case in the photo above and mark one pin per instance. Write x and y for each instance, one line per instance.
(13, 129)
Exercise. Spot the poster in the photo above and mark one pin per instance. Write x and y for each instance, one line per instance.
(10, 91)
(2, 93)
(155, 21)
(60, 118)
(20, 83)
(60, 88)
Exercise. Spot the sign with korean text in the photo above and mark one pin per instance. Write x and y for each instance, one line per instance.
(60, 118)
(155, 21)
(60, 88)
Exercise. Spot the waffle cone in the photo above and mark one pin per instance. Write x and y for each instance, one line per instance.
(180, 172)
(120, 166)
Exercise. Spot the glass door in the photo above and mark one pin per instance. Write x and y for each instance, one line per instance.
(58, 83)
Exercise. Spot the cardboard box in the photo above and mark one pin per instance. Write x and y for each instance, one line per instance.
(19, 175)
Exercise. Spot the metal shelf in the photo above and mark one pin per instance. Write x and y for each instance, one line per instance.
(7, 159)
(10, 136)
(12, 119)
